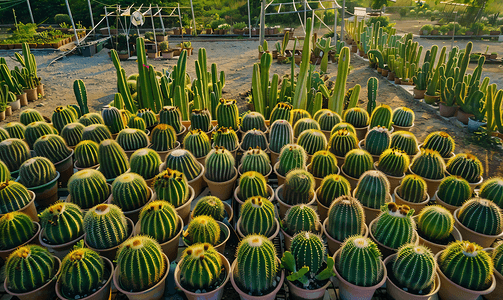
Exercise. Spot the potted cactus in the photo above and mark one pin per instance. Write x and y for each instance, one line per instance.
(253, 120)
(172, 116)
(327, 120)
(37, 129)
(212, 268)
(373, 192)
(359, 268)
(221, 173)
(145, 162)
(281, 134)
(55, 149)
(283, 111)
(421, 81)
(332, 187)
(183, 161)
(84, 275)
(381, 116)
(113, 119)
(72, 134)
(17, 229)
(312, 140)
(492, 189)
(63, 115)
(39, 175)
(435, 228)
(359, 119)
(412, 192)
(148, 116)
(204, 229)
(299, 218)
(323, 163)
(452, 192)
(42, 267)
(227, 114)
(131, 139)
(430, 166)
(213, 207)
(141, 255)
(198, 143)
(442, 142)
(88, 188)
(136, 122)
(13, 153)
(90, 119)
(250, 279)
(251, 139)
(257, 216)
(131, 193)
(29, 116)
(341, 142)
(297, 189)
(15, 197)
(96, 133)
(356, 163)
(304, 124)
(201, 119)
(163, 139)
(292, 156)
(405, 141)
(227, 138)
(255, 160)
(393, 163)
(113, 160)
(467, 166)
(172, 186)
(252, 184)
(15, 130)
(377, 140)
(496, 255)
(403, 119)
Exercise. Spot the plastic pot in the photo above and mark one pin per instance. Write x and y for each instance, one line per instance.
(59, 250)
(297, 293)
(33, 240)
(110, 252)
(15, 105)
(46, 194)
(333, 244)
(283, 207)
(416, 206)
(222, 190)
(483, 240)
(243, 295)
(29, 208)
(447, 111)
(65, 169)
(170, 248)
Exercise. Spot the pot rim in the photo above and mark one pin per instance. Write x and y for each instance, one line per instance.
(270, 191)
(37, 232)
(455, 215)
(395, 193)
(270, 237)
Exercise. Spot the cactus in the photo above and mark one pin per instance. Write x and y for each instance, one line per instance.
(141, 263)
(405, 141)
(393, 162)
(130, 191)
(137, 123)
(328, 120)
(454, 190)
(439, 141)
(323, 163)
(357, 117)
(312, 140)
(304, 124)
(82, 271)
(467, 166)
(113, 119)
(281, 134)
(482, 216)
(163, 138)
(357, 162)
(373, 189)
(3, 134)
(52, 147)
(36, 171)
(497, 256)
(148, 116)
(105, 226)
(202, 229)
(403, 117)
(282, 111)
(88, 188)
(113, 160)
(332, 187)
(300, 218)
(397, 219)
(28, 268)
(227, 138)
(381, 116)
(435, 223)
(132, 139)
(86, 154)
(14, 152)
(227, 114)
(413, 189)
(96, 133)
(201, 119)
(209, 206)
(377, 140)
(4, 172)
(492, 189)
(15, 129)
(345, 218)
(30, 115)
(13, 196)
(183, 161)
(428, 164)
(308, 250)
(359, 262)
(159, 220)
(298, 187)
(298, 114)
(171, 115)
(145, 162)
(253, 138)
(220, 165)
(253, 120)
(171, 185)
(292, 156)
(200, 266)
(252, 277)
(342, 141)
(197, 142)
(35, 130)
(255, 160)
(72, 133)
(257, 216)
(341, 126)
(372, 85)
(16, 228)
(62, 116)
(414, 267)
(62, 222)
(90, 119)
(252, 184)
(467, 265)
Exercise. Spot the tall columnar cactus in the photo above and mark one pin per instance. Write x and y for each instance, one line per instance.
(86, 154)
(209, 206)
(435, 223)
(373, 189)
(328, 120)
(482, 216)
(90, 119)
(467, 166)
(439, 141)
(159, 220)
(308, 250)
(405, 141)
(312, 140)
(61, 116)
(62, 222)
(113, 119)
(30, 115)
(171, 185)
(171, 115)
(323, 163)
(253, 138)
(34, 260)
(36, 171)
(137, 123)
(467, 265)
(96, 133)
(345, 218)
(357, 117)
(253, 120)
(183, 161)
(281, 134)
(492, 189)
(13, 196)
(163, 138)
(220, 165)
(403, 117)
(52, 147)
(112, 158)
(252, 184)
(202, 229)
(341, 142)
(255, 160)
(282, 111)
(298, 114)
(298, 187)
(393, 162)
(197, 142)
(304, 124)
(72, 133)
(130, 191)
(105, 226)
(35, 130)
(200, 266)
(227, 138)
(82, 271)
(132, 139)
(201, 119)
(381, 116)
(253, 278)
(377, 140)
(15, 129)
(88, 188)
(454, 190)
(14, 152)
(16, 228)
(428, 164)
(141, 263)
(300, 218)
(357, 162)
(414, 267)
(397, 219)
(413, 189)
(359, 262)
(148, 116)
(257, 216)
(145, 162)
(372, 85)
(227, 114)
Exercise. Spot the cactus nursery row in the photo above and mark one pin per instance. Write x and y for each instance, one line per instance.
(169, 183)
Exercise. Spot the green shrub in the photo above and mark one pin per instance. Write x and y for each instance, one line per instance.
(62, 18)
(427, 27)
(384, 21)
(403, 12)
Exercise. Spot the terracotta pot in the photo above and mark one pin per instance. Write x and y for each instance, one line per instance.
(391, 76)
(170, 248)
(352, 181)
(453, 291)
(283, 207)
(154, 293)
(385, 250)
(110, 252)
(449, 207)
(65, 169)
(419, 94)
(434, 247)
(281, 178)
(349, 291)
(334, 245)
(270, 237)
(46, 194)
(42, 293)
(397, 80)
(401, 128)
(394, 181)
(447, 111)
(431, 183)
(416, 206)
(297, 293)
(184, 210)
(23, 99)
(31, 94)
(103, 293)
(431, 99)
(288, 238)
(483, 240)
(266, 176)
(243, 295)
(222, 190)
(371, 213)
(240, 202)
(33, 240)
(29, 208)
(58, 250)
(463, 116)
(134, 214)
(385, 72)
(40, 89)
(361, 132)
(8, 111)
(322, 209)
(361, 145)
(181, 134)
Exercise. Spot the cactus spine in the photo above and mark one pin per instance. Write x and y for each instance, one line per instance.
(105, 226)
(332, 187)
(373, 189)
(163, 138)
(304, 124)
(298, 187)
(201, 119)
(62, 116)
(345, 218)
(312, 140)
(403, 117)
(492, 189)
(308, 250)
(184, 162)
(62, 223)
(15, 130)
(253, 120)
(227, 138)
(252, 184)
(454, 190)
(36, 171)
(255, 160)
(220, 165)
(328, 120)
(202, 229)
(30, 115)
(197, 142)
(148, 116)
(377, 140)
(414, 267)
(341, 126)
(130, 191)
(112, 158)
(440, 141)
(381, 116)
(52, 147)
(323, 163)
(159, 220)
(292, 156)
(35, 130)
(357, 117)
(131, 139)
(357, 162)
(200, 266)
(428, 164)
(298, 114)
(82, 271)
(397, 219)
(342, 141)
(90, 119)
(282, 111)
(209, 206)
(96, 133)
(86, 154)
(281, 134)
(16, 228)
(13, 196)
(467, 166)
(413, 189)
(253, 138)
(72, 133)
(145, 162)
(482, 216)
(113, 119)
(300, 218)
(137, 123)
(393, 162)
(14, 152)
(405, 141)
(171, 185)
(257, 216)
(435, 223)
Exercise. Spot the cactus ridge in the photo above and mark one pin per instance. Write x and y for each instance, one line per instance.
(172, 116)
(292, 156)
(377, 140)
(15, 129)
(341, 126)
(300, 218)
(332, 187)
(403, 117)
(200, 266)
(342, 141)
(497, 257)
(86, 154)
(397, 219)
(303, 125)
(312, 140)
(35, 130)
(297, 114)
(4, 172)
(220, 165)
(414, 267)
(200, 119)
(148, 116)
(203, 229)
(16, 228)
(105, 226)
(30, 115)
(373, 189)
(428, 164)
(357, 162)
(209, 206)
(14, 152)
(62, 222)
(130, 191)
(4, 134)
(145, 162)
(282, 111)
(132, 139)
(253, 120)
(393, 162)
(13, 196)
(328, 120)
(163, 138)
(159, 220)
(357, 117)
(492, 189)
(90, 119)
(298, 188)
(112, 118)
(482, 216)
(255, 160)
(96, 133)
(381, 116)
(112, 158)
(309, 250)
(281, 134)
(72, 133)
(405, 141)
(227, 114)
(413, 189)
(227, 138)
(88, 188)
(184, 162)
(52, 147)
(197, 142)
(323, 163)
(252, 184)
(454, 190)
(254, 138)
(467, 166)
(172, 186)
(137, 123)
(257, 216)
(62, 116)
(435, 223)
(441, 142)
(346, 218)
(82, 271)
(36, 171)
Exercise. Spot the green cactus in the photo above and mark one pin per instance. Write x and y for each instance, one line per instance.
(393, 162)
(88, 188)
(29, 115)
(220, 165)
(300, 218)
(202, 229)
(52, 147)
(3, 134)
(253, 138)
(373, 189)
(345, 218)
(159, 220)
(132, 139)
(342, 141)
(467, 265)
(492, 189)
(130, 191)
(357, 162)
(304, 124)
(403, 116)
(145, 162)
(454, 190)
(148, 116)
(298, 187)
(105, 226)
(171, 185)
(62, 222)
(227, 114)
(16, 228)
(341, 126)
(72, 133)
(137, 123)
(435, 223)
(298, 114)
(281, 134)
(163, 138)
(113, 119)
(255, 160)
(113, 160)
(377, 140)
(497, 256)
(482, 216)
(381, 116)
(372, 85)
(86, 154)
(35, 130)
(200, 266)
(201, 119)
(96, 133)
(82, 271)
(227, 138)
(308, 250)
(209, 206)
(197, 142)
(292, 156)
(253, 120)
(90, 119)
(405, 141)
(171, 115)
(183, 161)
(282, 111)
(332, 187)
(15, 129)
(428, 164)
(36, 171)
(323, 163)
(467, 166)
(62, 116)
(312, 140)
(359, 262)
(439, 141)
(257, 216)
(252, 184)
(28, 268)
(141, 263)
(328, 120)
(4, 172)
(414, 267)
(357, 117)
(413, 189)
(13, 196)
(397, 219)
(14, 152)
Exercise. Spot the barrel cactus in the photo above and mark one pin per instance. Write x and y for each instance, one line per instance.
(15, 129)
(61, 116)
(414, 267)
(257, 216)
(202, 229)
(292, 156)
(253, 138)
(14, 152)
(253, 120)
(13, 196)
(52, 147)
(86, 154)
(492, 189)
(105, 226)
(184, 162)
(405, 141)
(323, 163)
(300, 218)
(162, 138)
(435, 223)
(72, 133)
(126, 115)
(172, 186)
(309, 250)
(454, 190)
(397, 219)
(332, 187)
(428, 164)
(255, 160)
(209, 206)
(342, 141)
(304, 124)
(197, 142)
(148, 116)
(357, 117)
(497, 257)
(381, 116)
(345, 218)
(201, 119)
(441, 142)
(413, 189)
(312, 140)
(298, 187)
(159, 220)
(297, 114)
(30, 115)
(373, 189)
(145, 162)
(227, 138)
(328, 120)
(377, 140)
(341, 126)
(281, 134)
(357, 162)
(130, 191)
(4, 172)
(112, 158)
(113, 119)
(220, 165)
(227, 114)
(482, 216)
(88, 188)
(131, 139)
(36, 171)
(16, 228)
(62, 222)
(96, 133)
(252, 184)
(403, 117)
(35, 130)
(90, 119)
(3, 134)
(137, 123)
(82, 271)
(393, 162)
(467, 166)
(200, 266)
(282, 111)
